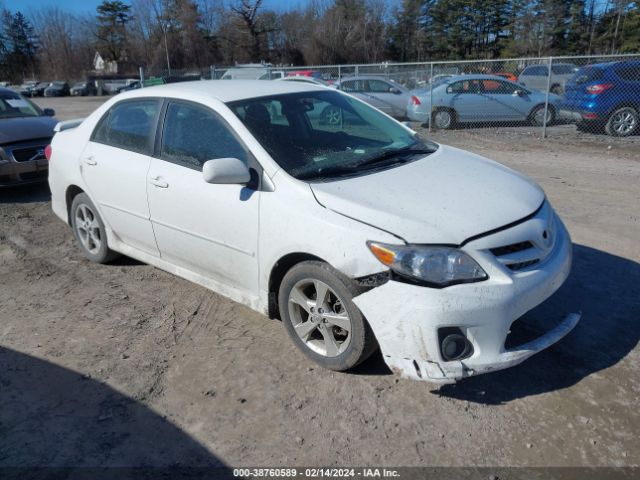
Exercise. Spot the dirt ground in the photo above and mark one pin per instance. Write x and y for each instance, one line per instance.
(127, 365)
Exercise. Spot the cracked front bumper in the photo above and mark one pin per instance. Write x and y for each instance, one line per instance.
(406, 318)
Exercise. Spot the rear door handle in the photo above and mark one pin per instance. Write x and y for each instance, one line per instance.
(158, 182)
(90, 161)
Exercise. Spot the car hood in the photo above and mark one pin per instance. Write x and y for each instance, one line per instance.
(444, 198)
(25, 128)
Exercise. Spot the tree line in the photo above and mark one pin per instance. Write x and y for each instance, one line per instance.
(189, 34)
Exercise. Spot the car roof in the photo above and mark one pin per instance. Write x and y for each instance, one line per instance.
(226, 90)
(367, 77)
(635, 63)
(7, 90)
(475, 76)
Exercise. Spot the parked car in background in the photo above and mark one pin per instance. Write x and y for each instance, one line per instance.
(25, 131)
(57, 89)
(355, 235)
(131, 86)
(38, 90)
(303, 79)
(480, 99)
(605, 95)
(509, 76)
(25, 88)
(82, 89)
(110, 87)
(537, 77)
(305, 73)
(252, 71)
(384, 94)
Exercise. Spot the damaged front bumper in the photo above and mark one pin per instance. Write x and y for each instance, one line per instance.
(406, 319)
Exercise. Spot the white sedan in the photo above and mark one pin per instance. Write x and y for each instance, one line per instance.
(357, 234)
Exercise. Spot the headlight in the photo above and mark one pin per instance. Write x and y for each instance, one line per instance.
(432, 265)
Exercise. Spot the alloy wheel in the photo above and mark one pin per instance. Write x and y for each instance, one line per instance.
(624, 121)
(319, 317)
(88, 228)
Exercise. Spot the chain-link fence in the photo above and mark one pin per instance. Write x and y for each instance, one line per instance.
(547, 95)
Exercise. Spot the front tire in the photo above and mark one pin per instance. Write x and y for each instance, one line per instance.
(316, 306)
(89, 230)
(622, 122)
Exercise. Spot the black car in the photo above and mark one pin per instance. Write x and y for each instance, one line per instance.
(82, 89)
(25, 131)
(38, 89)
(57, 89)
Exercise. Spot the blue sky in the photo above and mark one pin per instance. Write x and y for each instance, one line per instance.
(83, 6)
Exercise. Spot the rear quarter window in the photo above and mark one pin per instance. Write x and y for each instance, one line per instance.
(587, 75)
(630, 73)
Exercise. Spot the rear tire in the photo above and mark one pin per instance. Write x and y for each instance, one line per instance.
(89, 230)
(332, 333)
(622, 122)
(443, 119)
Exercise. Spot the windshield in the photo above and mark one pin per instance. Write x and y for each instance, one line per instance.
(13, 105)
(324, 135)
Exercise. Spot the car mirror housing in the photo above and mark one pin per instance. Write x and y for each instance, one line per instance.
(49, 112)
(226, 171)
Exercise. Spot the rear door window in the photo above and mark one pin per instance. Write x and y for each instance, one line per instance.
(379, 86)
(129, 125)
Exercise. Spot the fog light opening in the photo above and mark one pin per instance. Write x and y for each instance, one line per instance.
(455, 346)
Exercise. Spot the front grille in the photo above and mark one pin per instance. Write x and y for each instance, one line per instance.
(517, 256)
(513, 248)
(28, 153)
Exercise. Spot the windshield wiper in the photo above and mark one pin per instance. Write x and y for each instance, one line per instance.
(402, 154)
(399, 153)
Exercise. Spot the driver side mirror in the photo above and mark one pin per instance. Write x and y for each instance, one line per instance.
(395, 91)
(518, 93)
(226, 171)
(49, 112)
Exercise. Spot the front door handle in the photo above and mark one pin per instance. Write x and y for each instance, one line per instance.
(90, 161)
(158, 182)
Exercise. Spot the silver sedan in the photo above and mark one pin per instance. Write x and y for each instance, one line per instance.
(480, 99)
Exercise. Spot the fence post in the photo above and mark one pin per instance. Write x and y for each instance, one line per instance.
(546, 100)
(431, 97)
(141, 72)
(212, 70)
(339, 74)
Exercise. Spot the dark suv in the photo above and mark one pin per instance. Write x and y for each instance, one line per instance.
(25, 131)
(605, 95)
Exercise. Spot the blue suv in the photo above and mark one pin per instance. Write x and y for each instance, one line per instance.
(605, 95)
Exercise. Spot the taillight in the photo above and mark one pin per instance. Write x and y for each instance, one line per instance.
(599, 88)
(415, 100)
(47, 152)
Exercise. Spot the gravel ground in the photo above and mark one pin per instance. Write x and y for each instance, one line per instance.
(127, 365)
